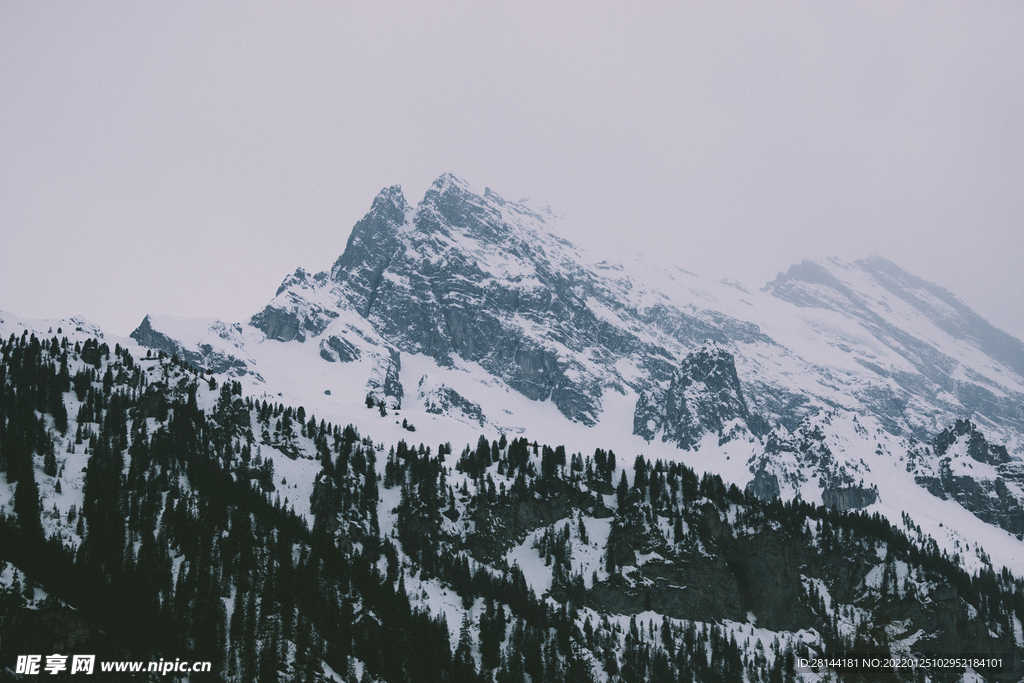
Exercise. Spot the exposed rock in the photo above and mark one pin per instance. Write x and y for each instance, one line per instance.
(848, 497)
(764, 485)
(443, 400)
(204, 356)
(471, 276)
(978, 446)
(766, 568)
(385, 384)
(152, 339)
(336, 349)
(370, 248)
(279, 324)
(812, 285)
(476, 282)
(703, 396)
(392, 383)
(292, 315)
(963, 466)
(814, 453)
(476, 277)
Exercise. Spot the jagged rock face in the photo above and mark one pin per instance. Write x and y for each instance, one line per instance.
(767, 568)
(371, 247)
(475, 277)
(291, 315)
(812, 455)
(962, 465)
(703, 396)
(765, 485)
(334, 349)
(470, 276)
(977, 446)
(413, 276)
(278, 324)
(848, 497)
(384, 385)
(825, 456)
(150, 338)
(467, 275)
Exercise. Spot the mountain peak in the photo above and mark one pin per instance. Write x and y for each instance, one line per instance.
(452, 206)
(390, 202)
(450, 181)
(447, 190)
(468, 275)
(374, 235)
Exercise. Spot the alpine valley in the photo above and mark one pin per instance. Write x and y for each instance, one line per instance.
(469, 452)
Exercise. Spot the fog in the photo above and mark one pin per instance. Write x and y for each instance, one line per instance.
(183, 158)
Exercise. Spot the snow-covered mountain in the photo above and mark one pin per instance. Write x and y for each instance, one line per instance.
(474, 278)
(466, 304)
(467, 319)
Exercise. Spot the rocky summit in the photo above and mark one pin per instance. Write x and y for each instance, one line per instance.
(470, 276)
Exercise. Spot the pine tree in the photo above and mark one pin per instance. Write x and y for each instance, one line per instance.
(622, 493)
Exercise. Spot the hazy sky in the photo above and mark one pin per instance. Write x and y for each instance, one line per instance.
(184, 157)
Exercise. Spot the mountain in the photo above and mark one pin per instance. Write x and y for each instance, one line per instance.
(454, 305)
(475, 279)
(472, 278)
(847, 415)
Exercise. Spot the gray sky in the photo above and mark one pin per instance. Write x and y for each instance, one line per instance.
(184, 157)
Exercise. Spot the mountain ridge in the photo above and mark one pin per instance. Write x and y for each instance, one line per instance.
(447, 306)
(533, 296)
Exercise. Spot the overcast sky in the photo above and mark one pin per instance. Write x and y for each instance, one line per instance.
(182, 157)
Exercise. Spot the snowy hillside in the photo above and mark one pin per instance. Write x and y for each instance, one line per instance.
(149, 510)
